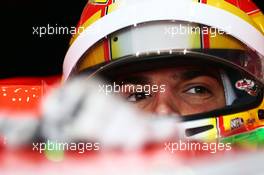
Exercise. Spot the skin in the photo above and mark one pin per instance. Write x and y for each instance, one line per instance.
(188, 90)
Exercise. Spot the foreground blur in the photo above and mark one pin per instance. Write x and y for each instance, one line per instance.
(82, 131)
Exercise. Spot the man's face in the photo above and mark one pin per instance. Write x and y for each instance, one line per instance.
(185, 90)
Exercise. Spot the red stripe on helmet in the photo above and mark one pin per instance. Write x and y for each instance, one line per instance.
(206, 41)
(221, 125)
(106, 50)
(248, 6)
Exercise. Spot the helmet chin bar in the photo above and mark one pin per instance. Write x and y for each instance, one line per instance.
(209, 126)
(198, 130)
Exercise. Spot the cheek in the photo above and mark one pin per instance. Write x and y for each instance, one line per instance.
(188, 109)
(146, 105)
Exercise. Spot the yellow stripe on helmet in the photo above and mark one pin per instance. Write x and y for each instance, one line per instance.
(222, 4)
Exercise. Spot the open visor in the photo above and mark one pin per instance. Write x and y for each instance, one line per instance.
(162, 44)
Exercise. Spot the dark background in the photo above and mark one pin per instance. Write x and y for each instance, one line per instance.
(25, 54)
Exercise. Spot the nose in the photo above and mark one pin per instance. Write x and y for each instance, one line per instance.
(164, 105)
(164, 109)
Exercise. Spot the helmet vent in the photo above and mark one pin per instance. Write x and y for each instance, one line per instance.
(193, 131)
(261, 114)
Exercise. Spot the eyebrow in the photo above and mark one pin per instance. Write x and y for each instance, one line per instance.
(141, 80)
(188, 75)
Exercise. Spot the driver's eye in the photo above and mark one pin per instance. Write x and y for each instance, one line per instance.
(198, 90)
(135, 97)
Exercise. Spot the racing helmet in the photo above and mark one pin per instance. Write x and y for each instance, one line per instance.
(124, 36)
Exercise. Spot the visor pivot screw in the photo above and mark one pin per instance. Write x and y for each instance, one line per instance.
(115, 39)
(261, 114)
